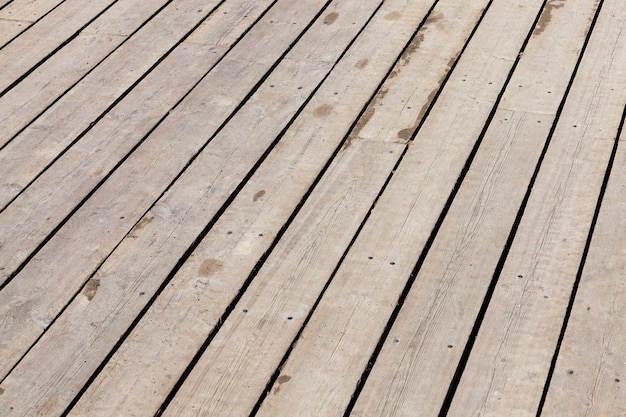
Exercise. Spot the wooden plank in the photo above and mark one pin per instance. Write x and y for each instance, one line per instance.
(17, 16)
(233, 379)
(28, 10)
(334, 350)
(82, 106)
(96, 239)
(118, 123)
(438, 314)
(302, 68)
(9, 29)
(512, 354)
(28, 99)
(53, 196)
(45, 36)
(192, 305)
(590, 370)
(172, 318)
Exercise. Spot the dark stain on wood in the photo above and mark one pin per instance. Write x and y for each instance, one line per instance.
(330, 18)
(258, 195)
(546, 15)
(323, 110)
(393, 16)
(1, 390)
(410, 50)
(50, 404)
(366, 117)
(435, 17)
(281, 380)
(362, 63)
(405, 134)
(210, 266)
(146, 220)
(91, 288)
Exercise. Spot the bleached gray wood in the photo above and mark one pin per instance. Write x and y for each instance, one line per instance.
(41, 207)
(328, 361)
(139, 376)
(142, 178)
(10, 28)
(590, 371)
(23, 103)
(27, 10)
(234, 370)
(303, 68)
(589, 374)
(37, 146)
(42, 38)
(20, 15)
(433, 326)
(511, 356)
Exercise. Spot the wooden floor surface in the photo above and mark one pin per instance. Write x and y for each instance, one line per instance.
(313, 208)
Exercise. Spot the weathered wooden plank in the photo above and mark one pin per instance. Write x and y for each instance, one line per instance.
(192, 305)
(439, 311)
(28, 99)
(43, 205)
(45, 36)
(329, 359)
(287, 286)
(511, 357)
(590, 371)
(303, 61)
(38, 145)
(28, 10)
(17, 16)
(10, 28)
(144, 176)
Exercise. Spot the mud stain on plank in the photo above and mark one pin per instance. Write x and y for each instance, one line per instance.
(366, 117)
(146, 220)
(330, 18)
(546, 15)
(91, 288)
(210, 267)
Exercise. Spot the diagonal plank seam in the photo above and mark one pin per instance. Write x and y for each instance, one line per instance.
(135, 147)
(581, 267)
(496, 275)
(54, 51)
(63, 93)
(31, 23)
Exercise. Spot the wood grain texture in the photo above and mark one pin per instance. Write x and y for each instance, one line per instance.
(184, 210)
(509, 364)
(224, 377)
(428, 336)
(192, 305)
(143, 177)
(53, 196)
(28, 10)
(18, 16)
(327, 360)
(589, 376)
(59, 127)
(44, 37)
(208, 235)
(28, 99)
(342, 345)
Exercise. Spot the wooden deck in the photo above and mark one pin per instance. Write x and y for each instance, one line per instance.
(313, 208)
